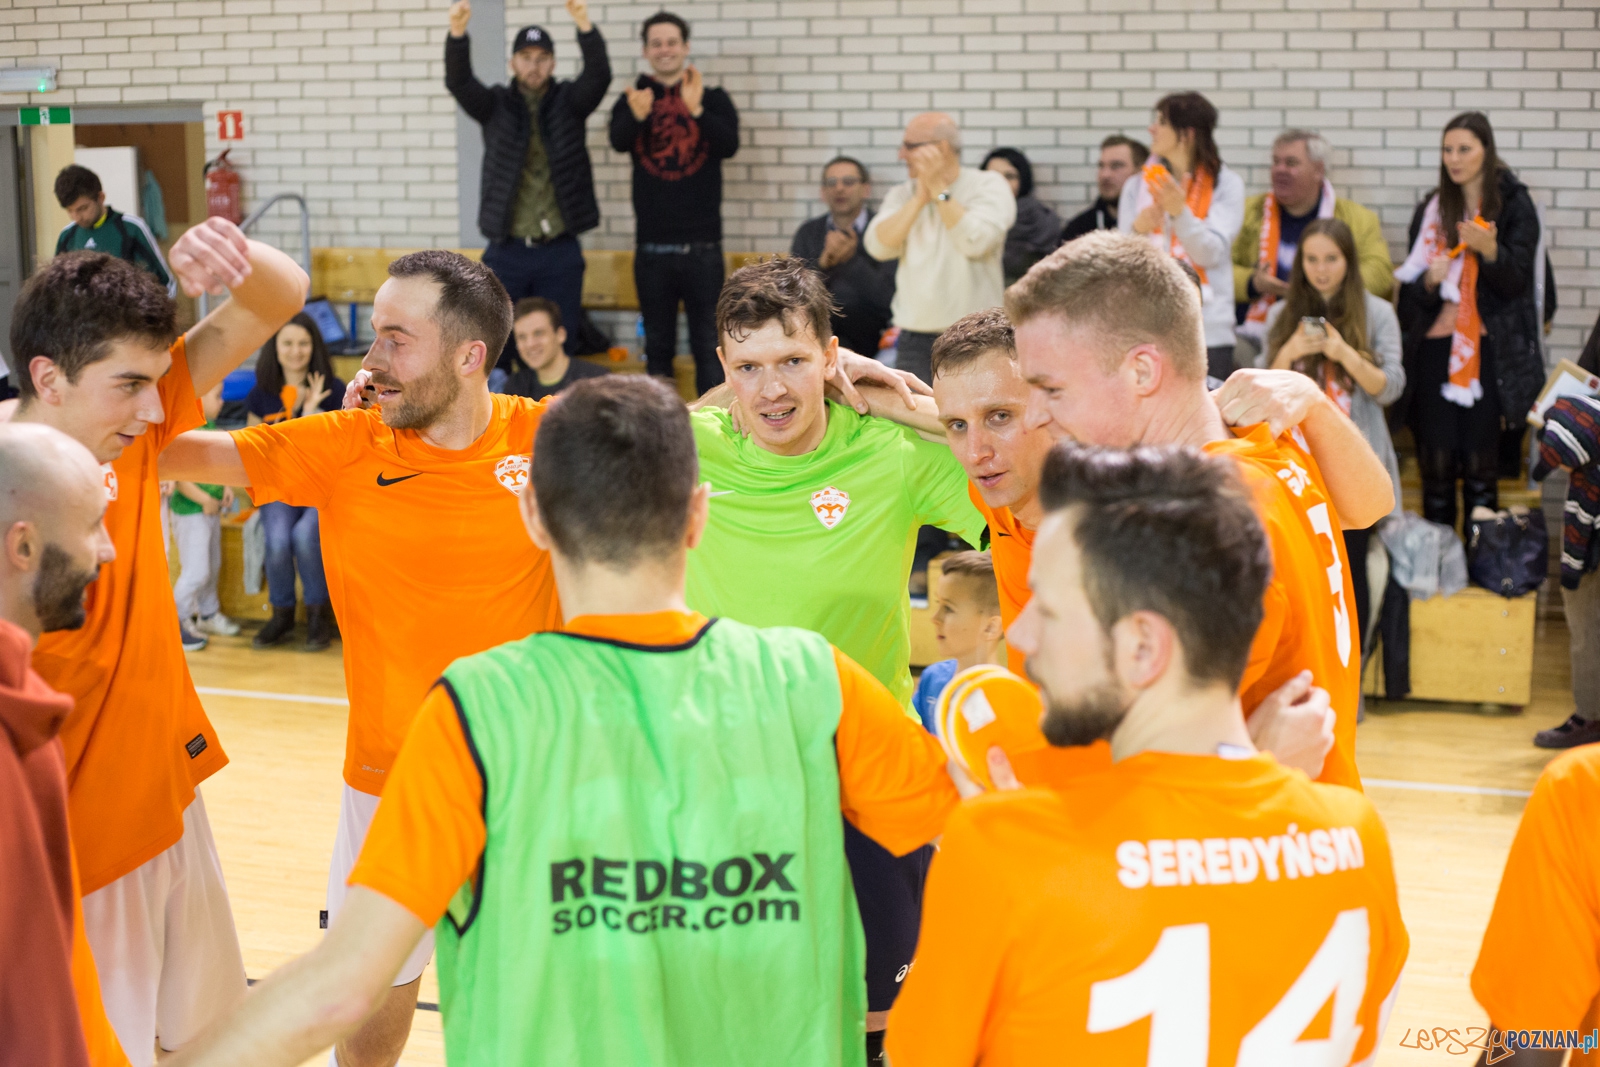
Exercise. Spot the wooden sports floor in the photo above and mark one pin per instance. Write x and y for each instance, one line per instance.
(1453, 780)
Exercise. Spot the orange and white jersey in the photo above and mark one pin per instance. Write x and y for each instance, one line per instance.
(1170, 910)
(1309, 621)
(1539, 967)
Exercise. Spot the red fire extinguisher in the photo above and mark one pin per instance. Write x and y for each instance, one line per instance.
(223, 194)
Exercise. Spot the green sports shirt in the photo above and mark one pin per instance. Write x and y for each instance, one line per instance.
(824, 541)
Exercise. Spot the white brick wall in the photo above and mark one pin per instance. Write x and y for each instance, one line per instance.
(344, 99)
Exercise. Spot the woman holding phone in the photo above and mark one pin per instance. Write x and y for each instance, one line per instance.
(1331, 328)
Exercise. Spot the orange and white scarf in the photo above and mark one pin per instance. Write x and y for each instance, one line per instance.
(1459, 287)
(1255, 320)
(1198, 198)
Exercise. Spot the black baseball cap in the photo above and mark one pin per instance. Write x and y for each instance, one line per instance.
(533, 37)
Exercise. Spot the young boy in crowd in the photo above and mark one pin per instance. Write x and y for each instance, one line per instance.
(197, 531)
(966, 624)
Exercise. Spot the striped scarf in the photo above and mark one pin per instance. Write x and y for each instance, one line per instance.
(1571, 440)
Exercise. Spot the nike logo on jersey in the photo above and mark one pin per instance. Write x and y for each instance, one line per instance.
(395, 481)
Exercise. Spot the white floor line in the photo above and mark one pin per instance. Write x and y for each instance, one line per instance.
(1435, 787)
(259, 694)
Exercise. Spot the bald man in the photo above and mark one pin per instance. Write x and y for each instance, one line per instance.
(947, 226)
(52, 541)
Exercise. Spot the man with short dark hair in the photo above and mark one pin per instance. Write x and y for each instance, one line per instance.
(1193, 882)
(537, 190)
(678, 131)
(98, 228)
(426, 556)
(546, 369)
(1120, 158)
(832, 501)
(525, 821)
(862, 287)
(95, 355)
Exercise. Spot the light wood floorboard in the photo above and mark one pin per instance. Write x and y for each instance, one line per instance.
(274, 811)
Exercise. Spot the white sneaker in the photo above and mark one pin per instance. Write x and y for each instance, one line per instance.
(217, 623)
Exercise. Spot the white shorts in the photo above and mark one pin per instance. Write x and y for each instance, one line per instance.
(355, 815)
(165, 944)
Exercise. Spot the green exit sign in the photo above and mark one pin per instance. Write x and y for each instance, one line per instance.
(44, 116)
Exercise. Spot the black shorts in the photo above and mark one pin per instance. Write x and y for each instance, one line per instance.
(889, 894)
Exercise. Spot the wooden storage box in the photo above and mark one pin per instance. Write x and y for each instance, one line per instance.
(1475, 647)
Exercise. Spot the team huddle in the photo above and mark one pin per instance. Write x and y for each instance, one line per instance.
(630, 753)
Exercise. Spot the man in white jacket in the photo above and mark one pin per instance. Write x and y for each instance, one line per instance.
(947, 224)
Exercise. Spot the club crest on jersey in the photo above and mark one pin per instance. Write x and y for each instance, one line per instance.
(830, 505)
(512, 472)
(110, 481)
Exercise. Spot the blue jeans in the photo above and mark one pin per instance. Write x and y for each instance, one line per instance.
(553, 271)
(293, 539)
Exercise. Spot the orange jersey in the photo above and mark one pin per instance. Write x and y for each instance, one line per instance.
(425, 551)
(1309, 622)
(428, 835)
(137, 741)
(1011, 550)
(1539, 967)
(1168, 909)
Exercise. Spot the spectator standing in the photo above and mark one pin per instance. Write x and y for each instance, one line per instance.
(1354, 355)
(678, 132)
(1581, 604)
(1470, 321)
(1120, 157)
(537, 190)
(947, 224)
(1263, 254)
(539, 336)
(197, 531)
(96, 227)
(1192, 206)
(1037, 231)
(51, 503)
(294, 377)
(862, 287)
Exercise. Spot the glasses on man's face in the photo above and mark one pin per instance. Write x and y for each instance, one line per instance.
(840, 183)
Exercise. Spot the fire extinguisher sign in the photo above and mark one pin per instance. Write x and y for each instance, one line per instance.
(230, 125)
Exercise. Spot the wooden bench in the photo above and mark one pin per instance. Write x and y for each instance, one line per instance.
(353, 275)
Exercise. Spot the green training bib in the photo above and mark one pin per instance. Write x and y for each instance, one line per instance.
(664, 879)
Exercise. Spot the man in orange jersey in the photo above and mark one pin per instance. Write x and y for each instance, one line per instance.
(92, 340)
(523, 818)
(1194, 902)
(1109, 337)
(1537, 971)
(979, 405)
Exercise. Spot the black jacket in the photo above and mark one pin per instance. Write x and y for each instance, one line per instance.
(503, 114)
(863, 287)
(1100, 215)
(677, 163)
(1511, 324)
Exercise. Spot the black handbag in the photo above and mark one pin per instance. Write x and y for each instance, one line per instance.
(1509, 553)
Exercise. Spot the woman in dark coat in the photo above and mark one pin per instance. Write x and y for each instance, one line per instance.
(1037, 230)
(1471, 327)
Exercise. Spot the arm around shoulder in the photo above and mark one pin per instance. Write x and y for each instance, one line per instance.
(272, 293)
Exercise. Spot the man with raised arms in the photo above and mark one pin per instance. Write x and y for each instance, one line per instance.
(96, 354)
(1193, 901)
(581, 919)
